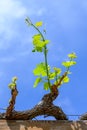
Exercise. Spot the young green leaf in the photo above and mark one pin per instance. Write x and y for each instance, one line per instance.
(36, 37)
(38, 49)
(68, 63)
(33, 50)
(43, 70)
(38, 24)
(57, 70)
(66, 79)
(38, 43)
(37, 81)
(12, 86)
(14, 79)
(52, 75)
(72, 55)
(40, 70)
(46, 86)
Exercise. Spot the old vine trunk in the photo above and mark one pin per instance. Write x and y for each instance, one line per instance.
(44, 107)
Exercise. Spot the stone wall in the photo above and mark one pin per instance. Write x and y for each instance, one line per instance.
(42, 125)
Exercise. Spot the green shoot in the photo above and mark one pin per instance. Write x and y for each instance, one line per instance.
(12, 85)
(43, 71)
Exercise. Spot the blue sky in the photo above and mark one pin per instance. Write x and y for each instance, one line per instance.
(66, 25)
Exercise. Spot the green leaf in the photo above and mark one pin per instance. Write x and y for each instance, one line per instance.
(33, 50)
(37, 37)
(40, 70)
(38, 24)
(52, 75)
(38, 43)
(68, 63)
(37, 81)
(46, 42)
(46, 86)
(57, 70)
(66, 79)
(14, 79)
(12, 85)
(38, 49)
(72, 55)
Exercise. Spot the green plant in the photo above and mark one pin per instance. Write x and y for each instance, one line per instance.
(12, 85)
(43, 71)
(51, 77)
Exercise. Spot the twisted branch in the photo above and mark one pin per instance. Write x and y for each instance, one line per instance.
(10, 108)
(44, 107)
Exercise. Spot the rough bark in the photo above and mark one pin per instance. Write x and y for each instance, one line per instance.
(38, 110)
(44, 107)
(10, 108)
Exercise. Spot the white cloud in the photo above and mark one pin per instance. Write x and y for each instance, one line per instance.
(41, 11)
(11, 8)
(10, 11)
(14, 57)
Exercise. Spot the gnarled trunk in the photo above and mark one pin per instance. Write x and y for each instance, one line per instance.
(44, 107)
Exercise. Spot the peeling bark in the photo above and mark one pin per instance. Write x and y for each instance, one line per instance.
(10, 108)
(38, 110)
(44, 107)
